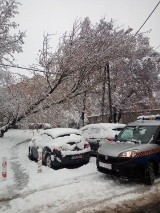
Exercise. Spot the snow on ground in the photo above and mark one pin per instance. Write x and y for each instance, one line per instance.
(63, 190)
(7, 143)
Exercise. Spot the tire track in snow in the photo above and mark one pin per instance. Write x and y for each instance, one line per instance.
(85, 208)
(20, 174)
(69, 181)
(21, 177)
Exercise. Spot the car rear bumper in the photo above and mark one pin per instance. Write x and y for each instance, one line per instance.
(70, 160)
(126, 168)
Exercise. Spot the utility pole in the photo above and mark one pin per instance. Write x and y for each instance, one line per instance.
(106, 78)
(84, 107)
(103, 94)
(109, 93)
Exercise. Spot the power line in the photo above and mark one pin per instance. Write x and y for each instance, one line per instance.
(20, 67)
(146, 20)
(26, 68)
(157, 47)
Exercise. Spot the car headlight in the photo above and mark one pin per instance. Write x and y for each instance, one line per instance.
(129, 154)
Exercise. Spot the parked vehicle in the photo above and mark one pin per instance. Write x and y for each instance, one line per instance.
(39, 126)
(93, 133)
(136, 152)
(60, 147)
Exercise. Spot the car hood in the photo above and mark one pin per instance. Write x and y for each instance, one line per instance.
(115, 148)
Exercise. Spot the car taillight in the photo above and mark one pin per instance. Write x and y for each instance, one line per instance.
(86, 145)
(109, 139)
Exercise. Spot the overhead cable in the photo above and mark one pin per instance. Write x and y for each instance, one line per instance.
(20, 67)
(146, 20)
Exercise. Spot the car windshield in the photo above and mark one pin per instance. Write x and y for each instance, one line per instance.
(92, 133)
(137, 134)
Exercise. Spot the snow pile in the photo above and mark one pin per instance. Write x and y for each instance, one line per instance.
(101, 130)
(56, 132)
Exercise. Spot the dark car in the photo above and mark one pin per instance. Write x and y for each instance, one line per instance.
(60, 147)
(135, 154)
(93, 133)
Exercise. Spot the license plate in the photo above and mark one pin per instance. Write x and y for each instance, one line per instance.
(105, 165)
(76, 157)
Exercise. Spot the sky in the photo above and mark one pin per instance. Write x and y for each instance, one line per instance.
(38, 17)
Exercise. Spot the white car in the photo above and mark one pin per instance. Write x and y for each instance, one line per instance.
(60, 147)
(94, 133)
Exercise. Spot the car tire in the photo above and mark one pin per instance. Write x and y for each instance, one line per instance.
(48, 161)
(149, 174)
(30, 154)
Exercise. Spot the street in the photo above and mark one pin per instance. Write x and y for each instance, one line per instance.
(81, 189)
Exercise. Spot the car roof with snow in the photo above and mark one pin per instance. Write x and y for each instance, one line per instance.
(104, 125)
(145, 122)
(56, 132)
(149, 117)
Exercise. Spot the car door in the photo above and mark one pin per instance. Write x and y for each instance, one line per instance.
(158, 143)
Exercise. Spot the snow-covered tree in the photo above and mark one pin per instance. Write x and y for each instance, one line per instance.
(134, 79)
(134, 65)
(10, 40)
(77, 68)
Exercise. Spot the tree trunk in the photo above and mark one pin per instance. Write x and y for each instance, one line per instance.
(5, 128)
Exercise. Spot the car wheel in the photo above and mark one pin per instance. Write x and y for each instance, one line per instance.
(149, 174)
(30, 154)
(48, 161)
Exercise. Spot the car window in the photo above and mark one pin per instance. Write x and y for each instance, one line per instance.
(144, 134)
(127, 134)
(67, 135)
(46, 135)
(61, 136)
(118, 129)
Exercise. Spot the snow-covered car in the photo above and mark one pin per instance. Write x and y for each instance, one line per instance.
(135, 154)
(60, 147)
(94, 133)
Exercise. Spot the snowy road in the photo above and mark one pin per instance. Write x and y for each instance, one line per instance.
(83, 189)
